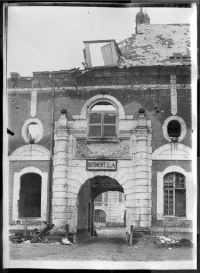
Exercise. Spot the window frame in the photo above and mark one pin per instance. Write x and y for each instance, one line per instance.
(102, 124)
(173, 189)
(97, 218)
(190, 192)
(183, 128)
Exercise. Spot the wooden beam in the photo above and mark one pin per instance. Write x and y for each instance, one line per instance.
(98, 41)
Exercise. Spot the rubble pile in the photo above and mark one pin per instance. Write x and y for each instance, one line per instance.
(169, 242)
(36, 236)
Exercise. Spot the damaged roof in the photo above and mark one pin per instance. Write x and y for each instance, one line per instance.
(157, 45)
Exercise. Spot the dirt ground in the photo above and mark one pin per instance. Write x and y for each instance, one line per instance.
(110, 245)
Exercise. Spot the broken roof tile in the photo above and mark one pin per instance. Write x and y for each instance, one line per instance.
(157, 43)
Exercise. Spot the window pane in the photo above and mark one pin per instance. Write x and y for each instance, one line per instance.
(110, 118)
(109, 130)
(95, 130)
(180, 181)
(103, 106)
(168, 202)
(95, 118)
(180, 203)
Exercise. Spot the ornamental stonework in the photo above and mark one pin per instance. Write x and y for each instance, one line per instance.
(93, 150)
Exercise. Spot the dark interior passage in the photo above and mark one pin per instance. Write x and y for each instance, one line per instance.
(90, 191)
(30, 195)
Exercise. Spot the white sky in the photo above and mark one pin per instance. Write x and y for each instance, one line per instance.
(51, 38)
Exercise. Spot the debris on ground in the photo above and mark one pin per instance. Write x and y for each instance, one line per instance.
(169, 242)
(35, 236)
(65, 241)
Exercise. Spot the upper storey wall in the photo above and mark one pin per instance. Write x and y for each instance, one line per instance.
(134, 88)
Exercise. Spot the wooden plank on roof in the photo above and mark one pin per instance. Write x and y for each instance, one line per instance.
(99, 41)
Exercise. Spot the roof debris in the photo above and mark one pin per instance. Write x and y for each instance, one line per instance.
(157, 45)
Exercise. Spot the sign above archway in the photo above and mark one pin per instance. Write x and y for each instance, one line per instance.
(101, 165)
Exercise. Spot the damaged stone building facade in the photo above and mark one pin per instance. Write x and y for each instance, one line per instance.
(124, 127)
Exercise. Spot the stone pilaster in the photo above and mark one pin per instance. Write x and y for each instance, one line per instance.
(173, 94)
(138, 198)
(60, 212)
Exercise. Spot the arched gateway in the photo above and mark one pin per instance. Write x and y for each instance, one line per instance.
(86, 166)
(86, 196)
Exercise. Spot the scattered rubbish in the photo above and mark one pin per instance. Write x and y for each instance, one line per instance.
(26, 242)
(169, 248)
(166, 241)
(36, 236)
(65, 241)
(40, 234)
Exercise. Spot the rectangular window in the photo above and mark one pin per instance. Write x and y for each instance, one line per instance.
(102, 125)
(95, 125)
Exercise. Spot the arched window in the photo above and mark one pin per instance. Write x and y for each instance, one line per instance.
(30, 195)
(100, 216)
(102, 120)
(174, 194)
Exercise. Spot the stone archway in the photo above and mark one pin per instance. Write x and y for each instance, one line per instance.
(86, 196)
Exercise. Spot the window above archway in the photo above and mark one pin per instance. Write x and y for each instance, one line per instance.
(102, 120)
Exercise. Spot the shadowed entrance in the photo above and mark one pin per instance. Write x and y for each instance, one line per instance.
(86, 196)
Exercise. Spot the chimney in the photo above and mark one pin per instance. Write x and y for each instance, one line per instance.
(15, 76)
